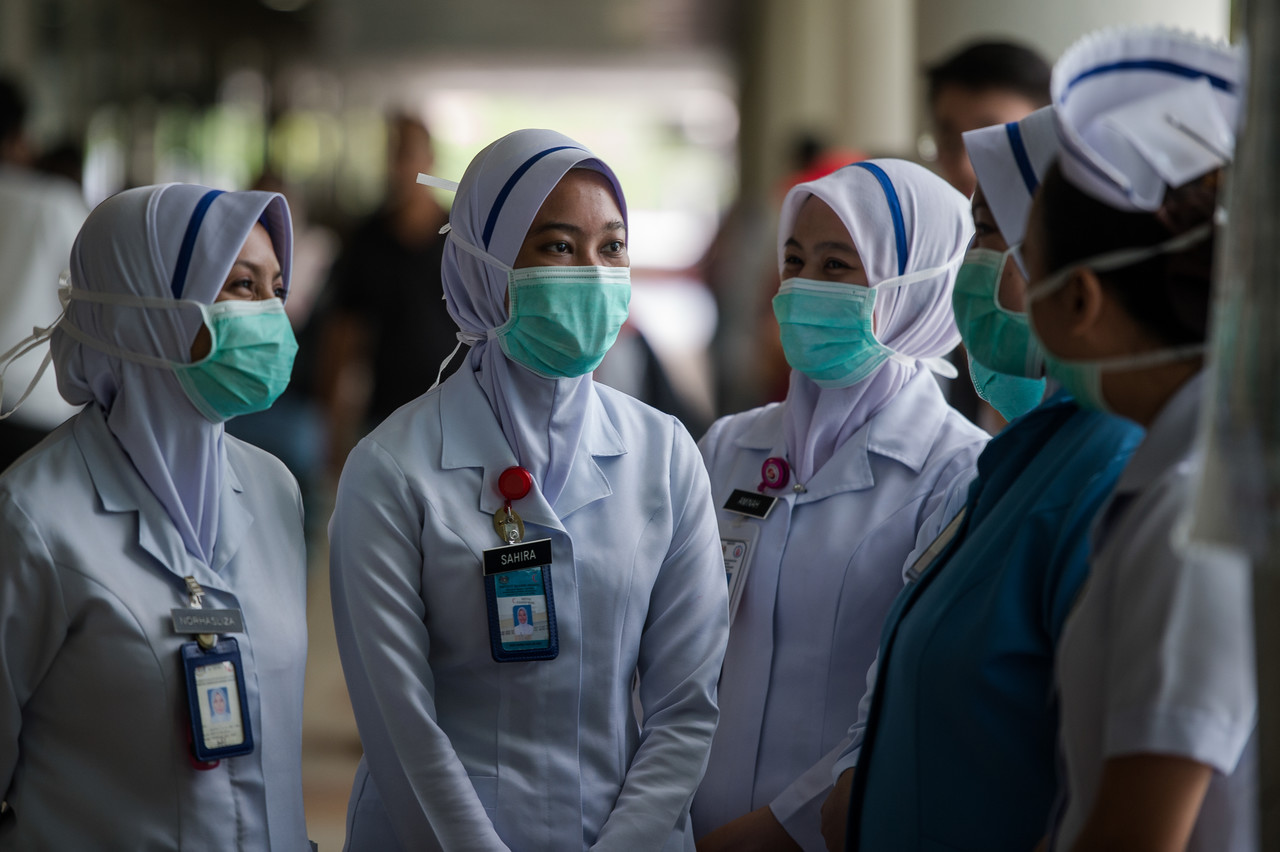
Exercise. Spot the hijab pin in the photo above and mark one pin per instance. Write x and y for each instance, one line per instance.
(775, 473)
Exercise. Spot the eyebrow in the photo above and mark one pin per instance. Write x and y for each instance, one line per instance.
(825, 245)
(570, 228)
(257, 267)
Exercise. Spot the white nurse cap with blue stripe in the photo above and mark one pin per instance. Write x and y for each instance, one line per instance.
(1009, 161)
(1143, 109)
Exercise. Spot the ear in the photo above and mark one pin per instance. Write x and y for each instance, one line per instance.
(1083, 301)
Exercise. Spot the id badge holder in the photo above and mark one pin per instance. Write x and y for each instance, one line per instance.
(522, 608)
(738, 541)
(217, 699)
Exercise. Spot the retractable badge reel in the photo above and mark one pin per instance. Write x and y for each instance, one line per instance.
(517, 582)
(214, 675)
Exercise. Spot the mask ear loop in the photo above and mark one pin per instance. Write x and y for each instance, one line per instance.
(33, 341)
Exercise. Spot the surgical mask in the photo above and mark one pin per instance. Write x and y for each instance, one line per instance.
(561, 319)
(998, 338)
(1012, 396)
(1083, 379)
(828, 331)
(250, 357)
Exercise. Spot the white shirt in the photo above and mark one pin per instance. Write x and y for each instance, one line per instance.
(94, 720)
(826, 564)
(40, 216)
(462, 752)
(1157, 657)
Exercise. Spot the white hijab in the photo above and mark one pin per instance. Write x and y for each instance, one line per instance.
(497, 200)
(902, 219)
(172, 241)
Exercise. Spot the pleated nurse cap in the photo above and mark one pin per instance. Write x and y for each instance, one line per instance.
(1143, 109)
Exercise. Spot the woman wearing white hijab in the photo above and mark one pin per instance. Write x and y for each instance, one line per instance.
(859, 454)
(174, 323)
(1155, 669)
(476, 737)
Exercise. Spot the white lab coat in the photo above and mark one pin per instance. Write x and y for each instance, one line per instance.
(465, 753)
(828, 562)
(1157, 657)
(94, 728)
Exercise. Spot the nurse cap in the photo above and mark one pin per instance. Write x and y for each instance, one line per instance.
(1009, 161)
(1143, 109)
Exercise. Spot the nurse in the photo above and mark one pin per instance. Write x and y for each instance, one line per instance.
(519, 482)
(822, 496)
(139, 525)
(960, 749)
(1155, 667)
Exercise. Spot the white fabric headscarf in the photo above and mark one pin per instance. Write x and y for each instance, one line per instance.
(497, 200)
(903, 219)
(172, 241)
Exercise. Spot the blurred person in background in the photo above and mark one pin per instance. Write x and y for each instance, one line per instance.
(40, 215)
(383, 326)
(982, 85)
(838, 480)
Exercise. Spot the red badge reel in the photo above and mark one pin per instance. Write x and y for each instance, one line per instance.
(775, 473)
(514, 483)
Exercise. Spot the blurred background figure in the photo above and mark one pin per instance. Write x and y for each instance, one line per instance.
(384, 329)
(990, 82)
(40, 215)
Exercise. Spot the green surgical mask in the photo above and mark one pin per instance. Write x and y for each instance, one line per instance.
(998, 338)
(563, 319)
(1012, 396)
(827, 333)
(249, 364)
(250, 357)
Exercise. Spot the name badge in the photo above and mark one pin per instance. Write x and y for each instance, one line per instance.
(186, 620)
(514, 557)
(217, 700)
(934, 550)
(753, 504)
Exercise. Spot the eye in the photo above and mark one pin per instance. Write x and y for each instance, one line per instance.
(614, 247)
(835, 265)
(792, 260)
(982, 229)
(241, 284)
(279, 293)
(559, 247)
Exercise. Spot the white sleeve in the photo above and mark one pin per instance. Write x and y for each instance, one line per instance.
(375, 571)
(1180, 666)
(858, 730)
(33, 624)
(681, 651)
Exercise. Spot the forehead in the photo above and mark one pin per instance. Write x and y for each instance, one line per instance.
(581, 195)
(816, 220)
(960, 108)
